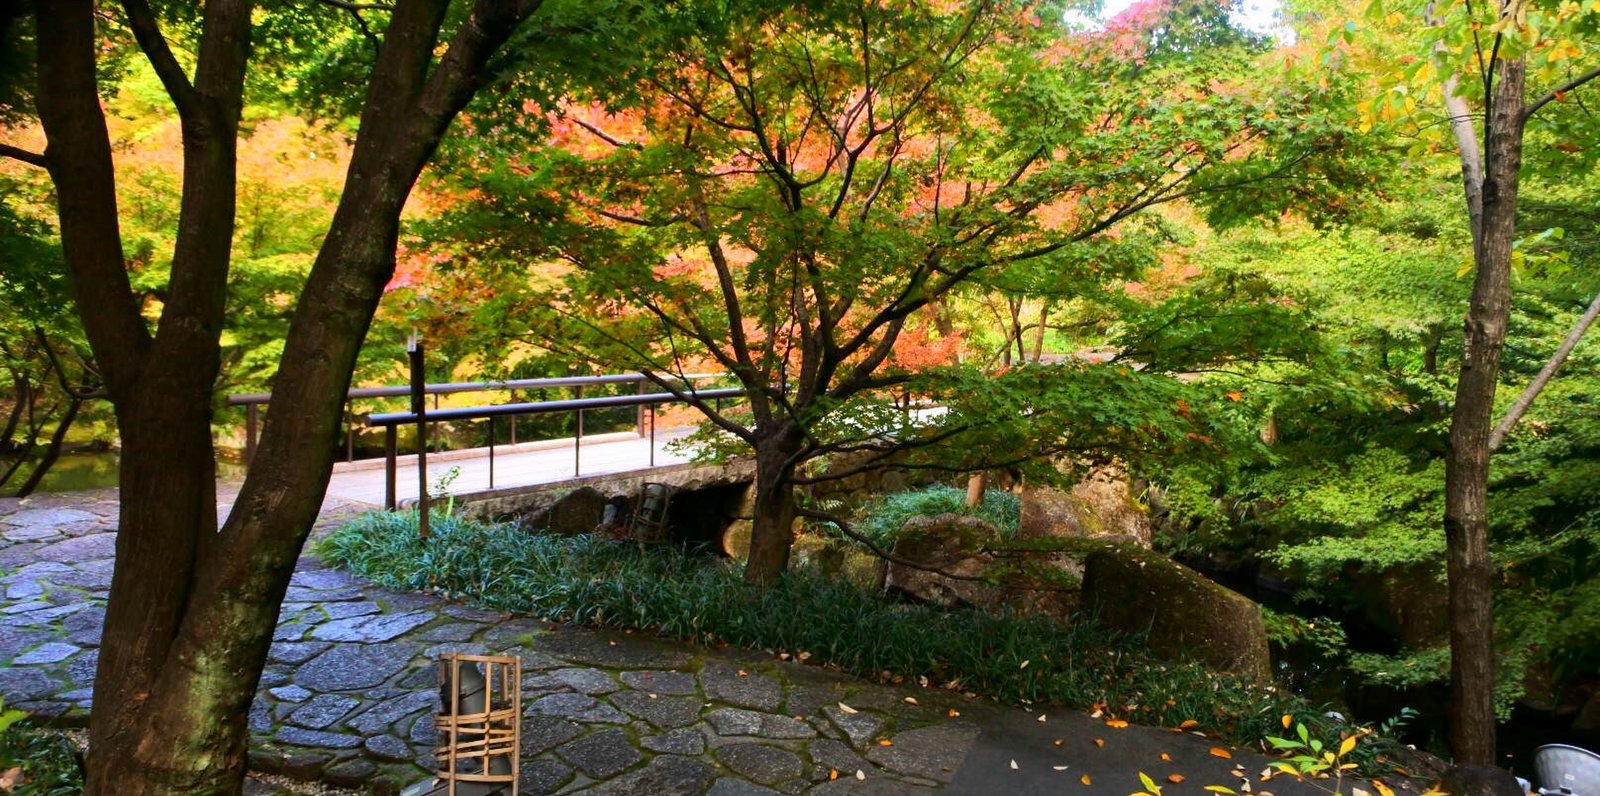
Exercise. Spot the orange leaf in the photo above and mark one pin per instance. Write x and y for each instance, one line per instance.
(1187, 723)
(1099, 742)
(1234, 395)
(885, 742)
(1084, 779)
(1217, 751)
(1166, 758)
(1174, 778)
(833, 773)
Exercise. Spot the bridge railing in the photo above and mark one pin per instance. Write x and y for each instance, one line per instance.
(255, 403)
(391, 421)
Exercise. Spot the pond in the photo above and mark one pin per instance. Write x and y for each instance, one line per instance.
(98, 470)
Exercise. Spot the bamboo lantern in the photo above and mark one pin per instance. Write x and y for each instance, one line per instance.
(479, 724)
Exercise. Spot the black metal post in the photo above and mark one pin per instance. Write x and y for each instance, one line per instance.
(653, 435)
(390, 443)
(577, 437)
(349, 434)
(419, 405)
(491, 450)
(250, 433)
(513, 419)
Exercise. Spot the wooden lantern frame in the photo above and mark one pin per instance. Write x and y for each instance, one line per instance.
(479, 739)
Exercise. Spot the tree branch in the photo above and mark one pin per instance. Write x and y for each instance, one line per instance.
(350, 6)
(1520, 406)
(173, 77)
(1533, 107)
(26, 156)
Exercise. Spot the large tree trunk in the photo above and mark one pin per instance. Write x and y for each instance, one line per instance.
(1472, 724)
(192, 609)
(772, 528)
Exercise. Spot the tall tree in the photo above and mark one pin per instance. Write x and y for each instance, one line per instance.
(782, 193)
(1476, 65)
(193, 606)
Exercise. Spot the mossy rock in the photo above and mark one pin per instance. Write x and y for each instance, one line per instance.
(1181, 613)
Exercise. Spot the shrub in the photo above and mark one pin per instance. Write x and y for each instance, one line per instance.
(1007, 656)
(883, 517)
(46, 762)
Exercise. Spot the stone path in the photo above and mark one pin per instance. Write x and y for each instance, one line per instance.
(348, 693)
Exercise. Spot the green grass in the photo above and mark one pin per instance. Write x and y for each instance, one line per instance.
(1006, 656)
(882, 519)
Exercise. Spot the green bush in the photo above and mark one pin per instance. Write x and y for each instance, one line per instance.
(1007, 656)
(47, 760)
(882, 518)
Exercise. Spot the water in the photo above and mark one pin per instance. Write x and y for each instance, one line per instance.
(75, 472)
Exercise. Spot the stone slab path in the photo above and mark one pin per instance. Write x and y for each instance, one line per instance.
(348, 694)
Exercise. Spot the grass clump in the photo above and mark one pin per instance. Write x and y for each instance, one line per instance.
(882, 519)
(1007, 656)
(46, 762)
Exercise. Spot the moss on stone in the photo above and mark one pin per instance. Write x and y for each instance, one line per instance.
(1182, 614)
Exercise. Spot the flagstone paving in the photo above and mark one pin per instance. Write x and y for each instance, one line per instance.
(348, 692)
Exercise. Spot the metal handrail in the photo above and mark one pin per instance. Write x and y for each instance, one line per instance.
(252, 402)
(245, 399)
(391, 421)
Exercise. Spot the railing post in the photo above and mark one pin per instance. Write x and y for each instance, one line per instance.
(419, 404)
(577, 437)
(513, 419)
(249, 433)
(491, 449)
(349, 434)
(653, 408)
(390, 443)
(638, 422)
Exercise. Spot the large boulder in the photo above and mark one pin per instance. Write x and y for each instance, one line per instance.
(950, 543)
(1041, 581)
(575, 512)
(1480, 781)
(1101, 505)
(835, 559)
(1182, 614)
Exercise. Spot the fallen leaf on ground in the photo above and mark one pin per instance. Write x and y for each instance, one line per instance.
(1187, 723)
(1041, 717)
(885, 742)
(861, 775)
(847, 708)
(1217, 751)
(1059, 768)
(952, 713)
(911, 700)
(1024, 664)
(1116, 724)
(1013, 765)
(743, 673)
(1084, 779)
(1166, 758)
(1099, 742)
(1174, 778)
(833, 773)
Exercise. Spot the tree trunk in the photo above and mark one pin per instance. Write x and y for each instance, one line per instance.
(1472, 724)
(1039, 332)
(192, 609)
(975, 486)
(772, 528)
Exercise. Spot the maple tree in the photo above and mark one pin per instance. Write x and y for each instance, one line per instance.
(785, 192)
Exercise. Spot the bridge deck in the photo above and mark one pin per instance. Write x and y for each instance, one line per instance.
(524, 465)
